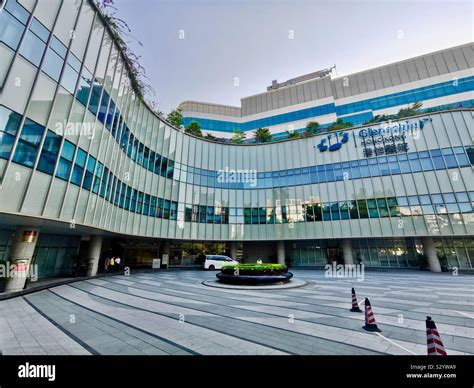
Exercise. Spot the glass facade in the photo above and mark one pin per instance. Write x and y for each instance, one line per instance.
(90, 151)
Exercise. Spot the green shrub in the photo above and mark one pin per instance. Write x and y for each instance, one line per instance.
(255, 269)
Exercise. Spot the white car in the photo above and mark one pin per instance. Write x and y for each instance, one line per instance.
(217, 261)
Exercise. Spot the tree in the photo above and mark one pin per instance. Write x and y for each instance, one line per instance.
(194, 128)
(262, 135)
(412, 110)
(293, 134)
(339, 124)
(175, 118)
(210, 137)
(312, 128)
(238, 137)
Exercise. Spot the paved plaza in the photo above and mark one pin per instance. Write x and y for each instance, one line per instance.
(172, 312)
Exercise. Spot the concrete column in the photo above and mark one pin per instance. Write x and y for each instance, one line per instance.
(346, 246)
(430, 252)
(233, 250)
(165, 260)
(93, 255)
(19, 259)
(281, 252)
(166, 247)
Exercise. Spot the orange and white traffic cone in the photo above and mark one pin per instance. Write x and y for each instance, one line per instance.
(370, 324)
(355, 306)
(433, 340)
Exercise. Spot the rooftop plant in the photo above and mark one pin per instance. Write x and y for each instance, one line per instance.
(121, 34)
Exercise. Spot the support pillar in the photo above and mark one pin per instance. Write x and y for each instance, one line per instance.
(233, 250)
(19, 259)
(93, 255)
(165, 256)
(430, 252)
(281, 252)
(166, 248)
(346, 246)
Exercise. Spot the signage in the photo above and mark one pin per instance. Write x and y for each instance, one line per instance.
(333, 141)
(29, 236)
(391, 138)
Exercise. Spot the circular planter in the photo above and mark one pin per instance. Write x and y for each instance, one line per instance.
(254, 280)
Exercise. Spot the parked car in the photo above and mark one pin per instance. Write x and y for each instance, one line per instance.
(212, 262)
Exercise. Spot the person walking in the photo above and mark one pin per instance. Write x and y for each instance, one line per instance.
(118, 261)
(112, 264)
(106, 264)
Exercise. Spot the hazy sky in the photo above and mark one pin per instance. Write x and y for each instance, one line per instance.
(251, 40)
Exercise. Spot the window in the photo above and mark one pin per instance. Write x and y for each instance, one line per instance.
(98, 173)
(71, 73)
(65, 162)
(49, 153)
(54, 60)
(9, 122)
(34, 44)
(12, 24)
(372, 206)
(84, 86)
(78, 170)
(28, 144)
(89, 173)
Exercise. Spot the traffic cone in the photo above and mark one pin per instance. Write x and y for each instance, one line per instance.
(433, 340)
(355, 306)
(370, 324)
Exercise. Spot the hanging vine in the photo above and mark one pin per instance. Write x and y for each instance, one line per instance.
(122, 35)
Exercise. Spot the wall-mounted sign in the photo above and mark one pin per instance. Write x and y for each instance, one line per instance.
(390, 139)
(333, 141)
(29, 236)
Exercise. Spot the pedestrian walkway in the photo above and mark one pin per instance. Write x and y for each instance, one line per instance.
(172, 312)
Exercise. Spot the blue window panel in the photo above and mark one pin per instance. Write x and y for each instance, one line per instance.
(78, 170)
(427, 164)
(28, 143)
(17, 10)
(6, 144)
(33, 47)
(463, 160)
(95, 97)
(65, 162)
(97, 177)
(153, 206)
(103, 107)
(465, 207)
(89, 173)
(39, 30)
(53, 64)
(9, 123)
(84, 86)
(69, 79)
(10, 30)
(415, 165)
(49, 153)
(450, 161)
(58, 47)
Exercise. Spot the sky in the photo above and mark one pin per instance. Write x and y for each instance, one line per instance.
(219, 51)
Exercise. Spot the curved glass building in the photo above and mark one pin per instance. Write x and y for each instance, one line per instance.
(88, 170)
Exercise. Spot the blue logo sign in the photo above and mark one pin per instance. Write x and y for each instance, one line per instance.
(338, 139)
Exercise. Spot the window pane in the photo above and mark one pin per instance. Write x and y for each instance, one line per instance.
(10, 30)
(49, 154)
(27, 148)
